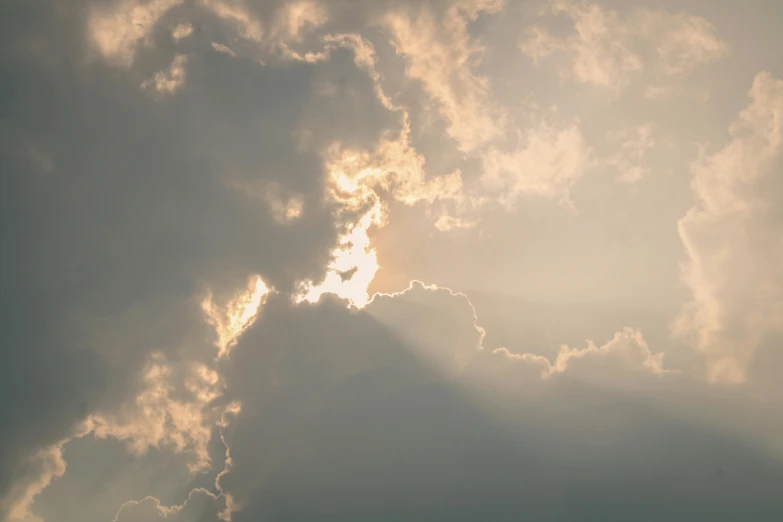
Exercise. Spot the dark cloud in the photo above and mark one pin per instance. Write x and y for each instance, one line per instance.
(117, 210)
(343, 419)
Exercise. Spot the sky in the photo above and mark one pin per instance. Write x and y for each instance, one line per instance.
(299, 260)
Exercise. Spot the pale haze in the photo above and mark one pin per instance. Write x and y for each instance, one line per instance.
(404, 260)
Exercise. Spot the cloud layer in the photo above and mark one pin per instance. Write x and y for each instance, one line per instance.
(201, 199)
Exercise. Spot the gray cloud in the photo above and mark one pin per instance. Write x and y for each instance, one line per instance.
(344, 418)
(135, 214)
(181, 180)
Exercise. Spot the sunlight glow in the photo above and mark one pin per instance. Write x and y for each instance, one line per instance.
(353, 266)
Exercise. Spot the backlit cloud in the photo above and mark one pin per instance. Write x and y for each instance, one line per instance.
(441, 55)
(732, 241)
(118, 29)
(322, 259)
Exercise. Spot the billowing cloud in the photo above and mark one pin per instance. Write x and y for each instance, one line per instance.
(732, 240)
(43, 466)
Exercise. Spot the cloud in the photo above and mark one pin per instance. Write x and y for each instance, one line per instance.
(169, 81)
(547, 162)
(220, 48)
(236, 315)
(624, 355)
(44, 466)
(172, 411)
(629, 159)
(118, 31)
(271, 30)
(101, 277)
(201, 506)
(295, 17)
(610, 51)
(439, 324)
(731, 239)
(237, 14)
(163, 416)
(188, 281)
(181, 31)
(357, 183)
(442, 56)
(330, 392)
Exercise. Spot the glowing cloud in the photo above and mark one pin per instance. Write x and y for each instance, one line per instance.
(156, 418)
(236, 315)
(441, 55)
(239, 16)
(358, 182)
(628, 348)
(49, 464)
(118, 32)
(168, 81)
(353, 266)
(200, 506)
(733, 241)
(181, 31)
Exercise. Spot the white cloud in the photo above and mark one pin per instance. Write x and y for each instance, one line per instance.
(168, 81)
(547, 162)
(442, 56)
(609, 50)
(181, 31)
(220, 48)
(733, 241)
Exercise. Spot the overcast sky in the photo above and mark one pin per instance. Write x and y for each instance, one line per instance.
(421, 260)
